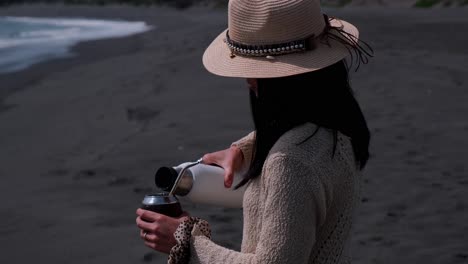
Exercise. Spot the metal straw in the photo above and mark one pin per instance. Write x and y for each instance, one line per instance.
(179, 177)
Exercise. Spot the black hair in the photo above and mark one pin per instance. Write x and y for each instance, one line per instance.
(323, 97)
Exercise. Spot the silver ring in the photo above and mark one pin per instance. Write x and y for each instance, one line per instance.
(145, 234)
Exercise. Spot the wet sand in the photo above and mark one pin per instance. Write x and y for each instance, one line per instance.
(81, 138)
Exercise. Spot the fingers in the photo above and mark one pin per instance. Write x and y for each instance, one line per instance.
(150, 237)
(229, 159)
(215, 159)
(149, 216)
(228, 178)
(154, 232)
(144, 234)
(218, 158)
(208, 159)
(147, 226)
(151, 245)
(156, 223)
(154, 237)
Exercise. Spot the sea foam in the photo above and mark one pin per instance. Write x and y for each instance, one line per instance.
(28, 40)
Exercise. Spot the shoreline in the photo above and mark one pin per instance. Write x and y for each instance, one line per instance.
(83, 52)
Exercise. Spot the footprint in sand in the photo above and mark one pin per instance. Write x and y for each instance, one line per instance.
(141, 113)
(461, 256)
(396, 212)
(148, 257)
(85, 174)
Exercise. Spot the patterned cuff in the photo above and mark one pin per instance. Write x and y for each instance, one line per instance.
(191, 226)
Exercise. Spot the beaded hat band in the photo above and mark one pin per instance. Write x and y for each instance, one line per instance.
(268, 50)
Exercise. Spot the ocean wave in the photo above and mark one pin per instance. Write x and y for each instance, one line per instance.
(83, 22)
(22, 34)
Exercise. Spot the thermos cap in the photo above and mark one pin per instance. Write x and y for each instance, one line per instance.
(165, 178)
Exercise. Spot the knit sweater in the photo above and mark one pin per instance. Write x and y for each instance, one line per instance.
(299, 210)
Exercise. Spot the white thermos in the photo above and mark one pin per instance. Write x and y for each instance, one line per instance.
(200, 183)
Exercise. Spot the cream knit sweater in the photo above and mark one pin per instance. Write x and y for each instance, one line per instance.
(300, 208)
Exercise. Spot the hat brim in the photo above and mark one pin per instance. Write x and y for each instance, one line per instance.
(217, 58)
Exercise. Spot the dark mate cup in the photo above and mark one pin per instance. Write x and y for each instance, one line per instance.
(162, 203)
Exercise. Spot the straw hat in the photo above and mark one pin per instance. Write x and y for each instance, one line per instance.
(276, 38)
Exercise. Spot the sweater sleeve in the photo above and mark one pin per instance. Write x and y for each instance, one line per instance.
(289, 220)
(245, 144)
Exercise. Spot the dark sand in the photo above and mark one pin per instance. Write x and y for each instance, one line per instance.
(81, 138)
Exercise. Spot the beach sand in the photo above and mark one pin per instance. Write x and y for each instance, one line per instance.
(80, 138)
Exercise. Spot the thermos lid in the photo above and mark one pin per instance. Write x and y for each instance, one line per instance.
(165, 178)
(159, 198)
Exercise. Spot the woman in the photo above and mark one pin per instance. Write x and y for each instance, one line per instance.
(308, 148)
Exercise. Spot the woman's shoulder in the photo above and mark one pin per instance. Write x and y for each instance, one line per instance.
(307, 152)
(301, 159)
(305, 141)
(315, 147)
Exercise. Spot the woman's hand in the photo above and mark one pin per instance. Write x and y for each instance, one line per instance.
(230, 160)
(157, 230)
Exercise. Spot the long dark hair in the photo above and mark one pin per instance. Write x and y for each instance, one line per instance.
(323, 97)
